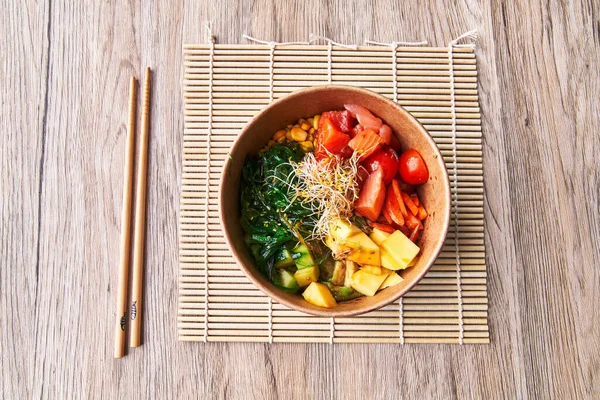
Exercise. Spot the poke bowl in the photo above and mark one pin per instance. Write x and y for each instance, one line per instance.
(334, 201)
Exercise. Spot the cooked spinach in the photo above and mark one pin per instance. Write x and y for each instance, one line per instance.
(271, 214)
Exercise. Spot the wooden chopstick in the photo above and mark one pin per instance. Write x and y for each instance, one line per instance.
(140, 220)
(126, 225)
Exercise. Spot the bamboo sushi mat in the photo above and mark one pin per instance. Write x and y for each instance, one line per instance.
(224, 86)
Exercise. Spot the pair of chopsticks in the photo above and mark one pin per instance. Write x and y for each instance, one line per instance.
(139, 225)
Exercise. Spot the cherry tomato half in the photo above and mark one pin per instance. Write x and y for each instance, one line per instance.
(412, 168)
(386, 159)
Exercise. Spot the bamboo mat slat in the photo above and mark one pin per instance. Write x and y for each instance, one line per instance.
(224, 85)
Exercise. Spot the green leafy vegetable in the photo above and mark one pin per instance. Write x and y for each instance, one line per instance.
(272, 214)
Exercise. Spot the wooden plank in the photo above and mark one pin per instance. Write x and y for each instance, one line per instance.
(65, 63)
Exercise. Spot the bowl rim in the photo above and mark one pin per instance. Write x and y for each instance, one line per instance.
(331, 312)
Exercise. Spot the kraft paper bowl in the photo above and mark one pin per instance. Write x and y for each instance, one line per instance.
(435, 194)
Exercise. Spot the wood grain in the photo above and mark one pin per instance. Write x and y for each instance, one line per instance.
(64, 73)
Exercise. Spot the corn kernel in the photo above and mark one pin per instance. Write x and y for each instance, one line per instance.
(270, 143)
(310, 138)
(296, 126)
(290, 126)
(301, 121)
(312, 131)
(316, 119)
(281, 139)
(298, 134)
(306, 146)
(305, 126)
(279, 134)
(288, 135)
(310, 121)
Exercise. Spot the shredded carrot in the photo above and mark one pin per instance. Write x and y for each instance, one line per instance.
(412, 221)
(409, 203)
(422, 213)
(386, 215)
(398, 194)
(402, 207)
(406, 188)
(414, 234)
(415, 199)
(382, 227)
(393, 210)
(381, 219)
(404, 229)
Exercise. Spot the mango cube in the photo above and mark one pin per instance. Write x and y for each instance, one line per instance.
(343, 229)
(348, 241)
(363, 250)
(339, 272)
(351, 268)
(318, 294)
(400, 249)
(372, 269)
(388, 262)
(386, 271)
(367, 283)
(378, 236)
(391, 280)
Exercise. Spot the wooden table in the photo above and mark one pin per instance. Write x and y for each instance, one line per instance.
(64, 76)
